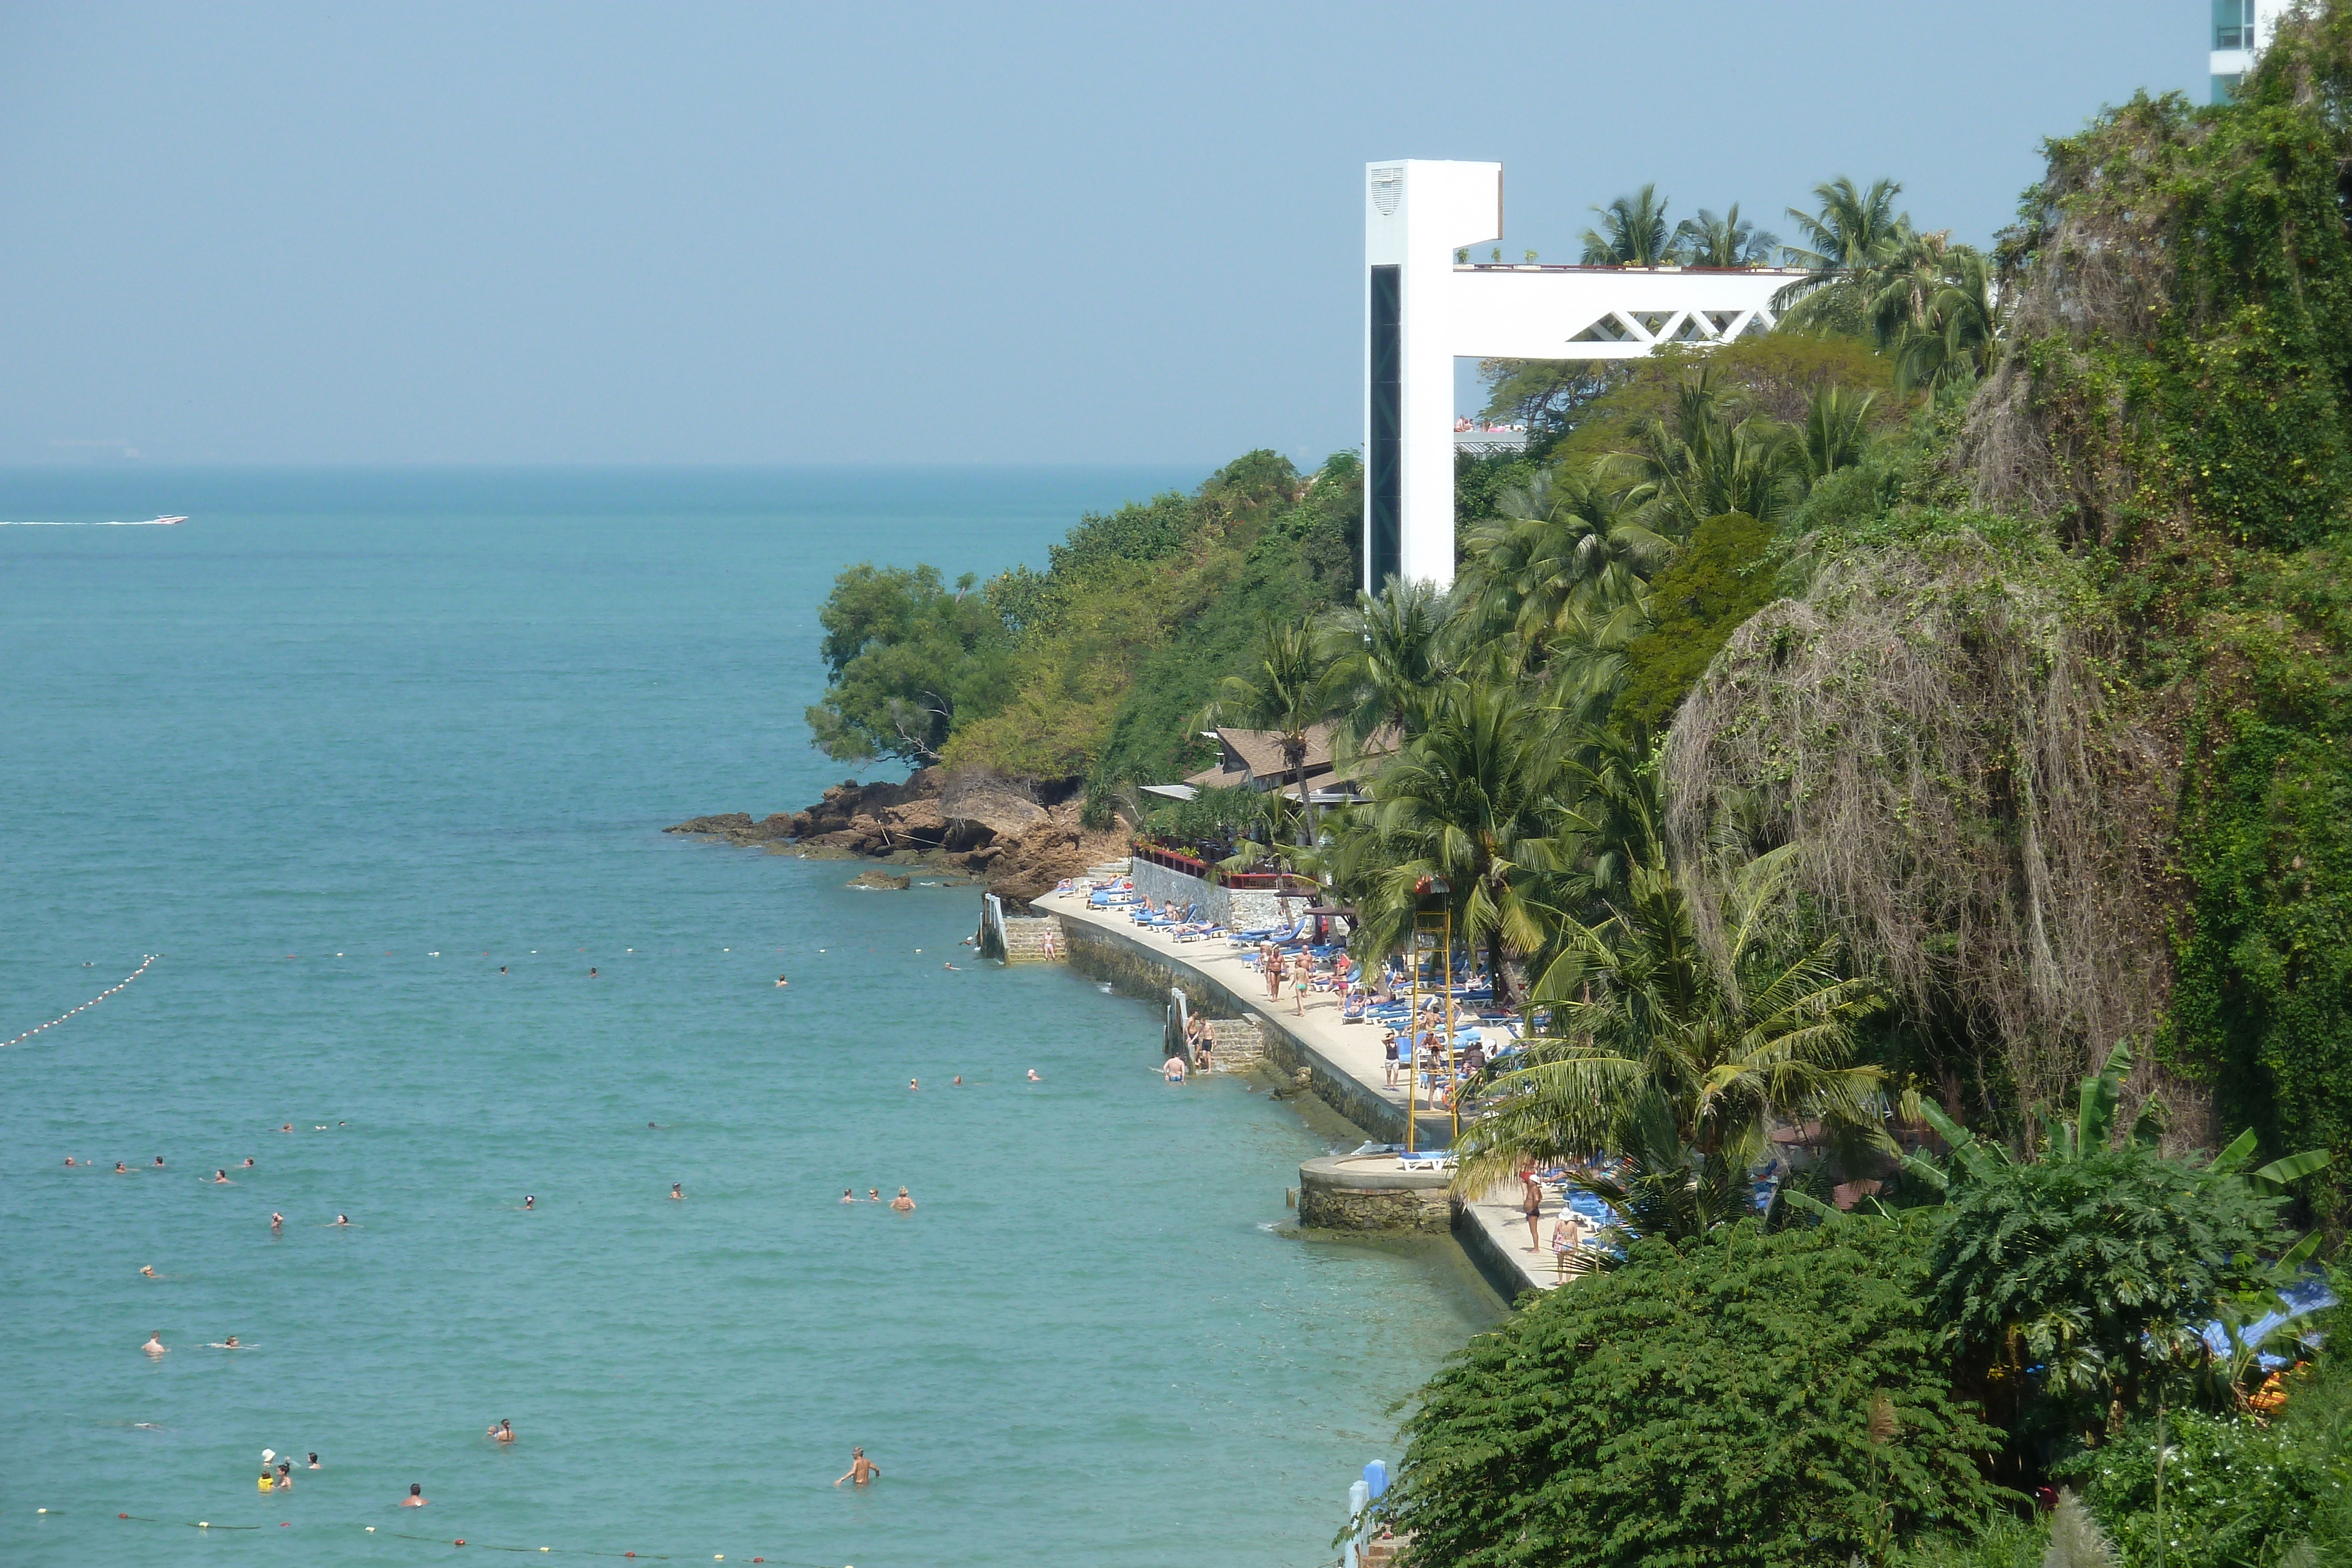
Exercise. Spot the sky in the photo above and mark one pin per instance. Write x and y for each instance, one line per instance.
(697, 234)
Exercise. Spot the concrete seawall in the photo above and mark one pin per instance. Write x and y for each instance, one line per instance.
(1344, 1071)
(1134, 969)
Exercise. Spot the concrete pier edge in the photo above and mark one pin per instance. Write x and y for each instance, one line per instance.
(1107, 946)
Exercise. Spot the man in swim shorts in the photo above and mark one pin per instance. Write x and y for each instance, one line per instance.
(1172, 1069)
(861, 1468)
(156, 1345)
(416, 1497)
(902, 1202)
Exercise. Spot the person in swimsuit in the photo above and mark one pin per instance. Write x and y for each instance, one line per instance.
(1202, 1062)
(221, 1178)
(276, 1222)
(121, 1169)
(591, 971)
(1034, 1078)
(248, 1162)
(873, 1194)
(849, 1195)
(68, 1159)
(503, 1432)
(1389, 1052)
(503, 968)
(342, 1219)
(1566, 1236)
(156, 1345)
(677, 1190)
(228, 1343)
(902, 1202)
(1531, 1204)
(159, 1161)
(782, 982)
(1172, 1069)
(416, 1497)
(314, 1461)
(529, 1201)
(914, 1085)
(861, 1468)
(285, 1475)
(149, 1271)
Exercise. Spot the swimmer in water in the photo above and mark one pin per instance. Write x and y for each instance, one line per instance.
(314, 1461)
(591, 971)
(782, 982)
(69, 1159)
(228, 1343)
(1034, 1078)
(156, 1345)
(914, 1085)
(148, 1271)
(873, 1194)
(248, 1162)
(268, 1478)
(950, 966)
(675, 1192)
(276, 1222)
(529, 1201)
(159, 1161)
(503, 1432)
(342, 1219)
(285, 1475)
(416, 1497)
(286, 1128)
(849, 1195)
(121, 1169)
(959, 1081)
(861, 1468)
(902, 1204)
(503, 968)
(222, 1178)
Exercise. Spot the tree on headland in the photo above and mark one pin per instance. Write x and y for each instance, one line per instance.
(1286, 688)
(907, 656)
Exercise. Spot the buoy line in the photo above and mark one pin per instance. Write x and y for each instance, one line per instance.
(209, 1527)
(85, 1007)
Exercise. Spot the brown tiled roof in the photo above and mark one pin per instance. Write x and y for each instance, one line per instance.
(1254, 755)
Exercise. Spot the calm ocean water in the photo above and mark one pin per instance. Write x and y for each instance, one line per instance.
(343, 746)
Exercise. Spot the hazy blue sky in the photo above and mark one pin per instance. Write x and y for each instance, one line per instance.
(562, 233)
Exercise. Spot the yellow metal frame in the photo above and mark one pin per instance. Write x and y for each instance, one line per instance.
(1426, 924)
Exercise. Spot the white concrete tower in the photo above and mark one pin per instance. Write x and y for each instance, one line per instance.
(2242, 29)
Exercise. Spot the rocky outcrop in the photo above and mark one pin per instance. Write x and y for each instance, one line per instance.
(1017, 836)
(879, 882)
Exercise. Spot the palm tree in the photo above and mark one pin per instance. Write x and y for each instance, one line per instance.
(1727, 241)
(1563, 543)
(1632, 232)
(1835, 432)
(1285, 689)
(1696, 463)
(1727, 1042)
(1958, 325)
(1856, 233)
(1386, 657)
(1470, 801)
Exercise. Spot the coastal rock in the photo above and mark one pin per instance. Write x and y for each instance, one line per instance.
(1018, 837)
(879, 882)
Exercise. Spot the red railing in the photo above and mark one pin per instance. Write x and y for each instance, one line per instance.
(1174, 858)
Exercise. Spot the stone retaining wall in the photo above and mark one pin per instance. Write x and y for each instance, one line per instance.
(1340, 1194)
(1242, 909)
(1133, 969)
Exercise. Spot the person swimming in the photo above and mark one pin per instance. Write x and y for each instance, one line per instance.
(277, 1221)
(159, 1161)
(902, 1204)
(861, 1468)
(959, 1081)
(1172, 1069)
(416, 1497)
(148, 1271)
(529, 1201)
(68, 1159)
(156, 1345)
(914, 1084)
(873, 1194)
(248, 1162)
(782, 982)
(849, 1195)
(121, 1169)
(950, 966)
(1034, 1078)
(285, 1475)
(503, 1431)
(503, 968)
(286, 1128)
(314, 1461)
(269, 1480)
(222, 1178)
(676, 1190)
(591, 971)
(228, 1343)
(342, 1219)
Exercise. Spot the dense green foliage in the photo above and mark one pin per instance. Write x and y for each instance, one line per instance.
(1695, 604)
(1706, 1405)
(1093, 667)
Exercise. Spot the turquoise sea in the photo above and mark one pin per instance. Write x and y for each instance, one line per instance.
(343, 746)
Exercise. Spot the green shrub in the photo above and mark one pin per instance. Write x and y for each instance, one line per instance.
(1710, 1405)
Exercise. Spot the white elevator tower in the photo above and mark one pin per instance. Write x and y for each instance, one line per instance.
(1423, 310)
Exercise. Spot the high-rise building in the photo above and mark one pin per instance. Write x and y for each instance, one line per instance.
(2241, 28)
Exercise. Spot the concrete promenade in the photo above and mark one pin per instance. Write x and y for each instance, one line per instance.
(1348, 1071)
